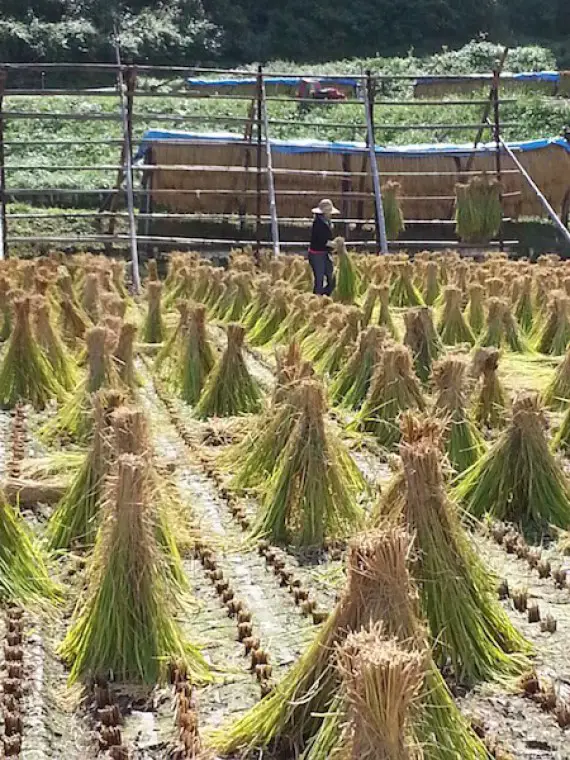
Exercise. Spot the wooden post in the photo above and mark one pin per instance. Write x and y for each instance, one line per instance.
(497, 137)
(128, 171)
(269, 171)
(259, 161)
(487, 109)
(380, 224)
(3, 230)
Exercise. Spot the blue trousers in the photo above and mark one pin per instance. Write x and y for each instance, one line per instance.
(322, 266)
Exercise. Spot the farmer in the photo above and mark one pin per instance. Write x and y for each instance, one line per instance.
(319, 249)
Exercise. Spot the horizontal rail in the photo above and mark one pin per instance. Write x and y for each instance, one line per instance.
(55, 143)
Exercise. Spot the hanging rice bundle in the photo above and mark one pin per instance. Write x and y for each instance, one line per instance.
(62, 364)
(490, 407)
(196, 359)
(312, 493)
(556, 396)
(422, 339)
(126, 623)
(468, 625)
(75, 521)
(351, 385)
(478, 209)
(90, 301)
(370, 300)
(453, 328)
(463, 442)
(305, 708)
(153, 329)
(385, 315)
(347, 283)
(393, 216)
(74, 418)
(524, 312)
(502, 331)
(554, 333)
(124, 356)
(519, 480)
(332, 359)
(475, 311)
(403, 291)
(394, 389)
(230, 390)
(259, 302)
(431, 289)
(270, 321)
(26, 375)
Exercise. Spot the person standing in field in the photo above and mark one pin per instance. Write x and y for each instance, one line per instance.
(319, 249)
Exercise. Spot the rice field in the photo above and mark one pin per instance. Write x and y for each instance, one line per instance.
(239, 520)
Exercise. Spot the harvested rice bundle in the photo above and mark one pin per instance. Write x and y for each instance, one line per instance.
(524, 312)
(519, 480)
(453, 328)
(74, 324)
(5, 309)
(393, 216)
(113, 305)
(259, 302)
(153, 329)
(270, 321)
(378, 589)
(63, 365)
(478, 209)
(74, 418)
(196, 359)
(403, 291)
(394, 389)
(468, 625)
(152, 270)
(556, 396)
(240, 298)
(385, 315)
(118, 277)
(491, 403)
(332, 359)
(169, 355)
(126, 623)
(75, 521)
(215, 288)
(225, 300)
(347, 281)
(230, 390)
(311, 495)
(295, 320)
(463, 442)
(352, 383)
(501, 330)
(462, 280)
(372, 295)
(423, 341)
(90, 300)
(323, 335)
(431, 289)
(496, 287)
(124, 356)
(26, 375)
(475, 312)
(554, 333)
(181, 289)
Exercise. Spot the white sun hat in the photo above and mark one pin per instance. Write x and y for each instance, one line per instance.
(326, 206)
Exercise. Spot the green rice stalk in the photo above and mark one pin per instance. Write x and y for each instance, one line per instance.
(90, 299)
(524, 311)
(347, 276)
(490, 407)
(45, 468)
(462, 272)
(124, 357)
(62, 364)
(554, 335)
(394, 389)
(125, 624)
(464, 445)
(230, 389)
(175, 263)
(431, 289)
(25, 374)
(478, 209)
(311, 495)
(259, 303)
(378, 589)
(333, 358)
(393, 216)
(556, 395)
(469, 627)
(351, 385)
(453, 328)
(75, 521)
(181, 290)
(202, 283)
(385, 315)
(271, 320)
(371, 297)
(403, 291)
(422, 339)
(519, 480)
(224, 303)
(153, 329)
(475, 311)
(196, 360)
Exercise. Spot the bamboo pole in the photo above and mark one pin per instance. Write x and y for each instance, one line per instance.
(497, 137)
(378, 207)
(259, 162)
(3, 230)
(269, 170)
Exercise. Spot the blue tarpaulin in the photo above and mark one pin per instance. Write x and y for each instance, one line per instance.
(269, 80)
(320, 146)
(525, 76)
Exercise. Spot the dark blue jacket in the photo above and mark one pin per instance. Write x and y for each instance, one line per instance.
(321, 233)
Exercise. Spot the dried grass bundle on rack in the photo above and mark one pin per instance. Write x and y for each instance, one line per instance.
(125, 624)
(153, 328)
(478, 209)
(475, 311)
(63, 365)
(393, 215)
(312, 493)
(453, 328)
(230, 389)
(490, 406)
(423, 341)
(519, 480)
(403, 292)
(351, 385)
